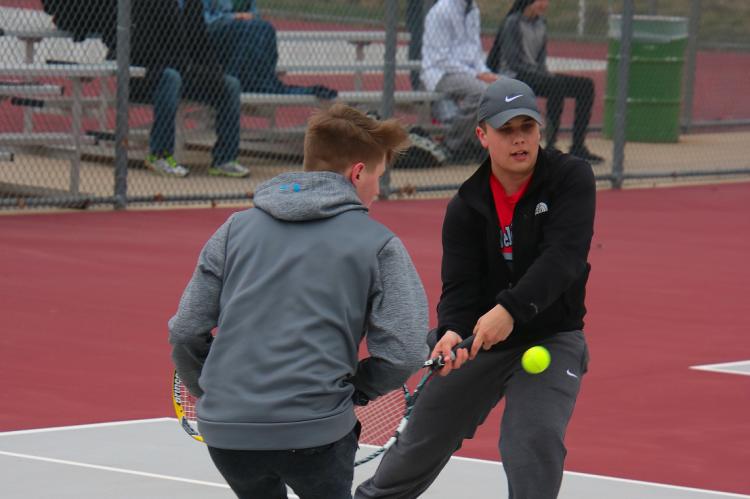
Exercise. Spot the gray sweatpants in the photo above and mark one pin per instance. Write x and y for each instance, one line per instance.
(467, 91)
(537, 411)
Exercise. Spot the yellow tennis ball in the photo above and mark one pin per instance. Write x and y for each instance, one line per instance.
(535, 360)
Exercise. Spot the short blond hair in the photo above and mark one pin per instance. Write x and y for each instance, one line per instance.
(341, 136)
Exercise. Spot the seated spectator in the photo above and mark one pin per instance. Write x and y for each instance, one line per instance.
(169, 38)
(246, 46)
(520, 51)
(453, 63)
(75, 17)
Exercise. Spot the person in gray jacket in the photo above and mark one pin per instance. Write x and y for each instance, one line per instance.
(293, 286)
(453, 63)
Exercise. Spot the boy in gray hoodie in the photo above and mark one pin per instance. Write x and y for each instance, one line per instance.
(293, 285)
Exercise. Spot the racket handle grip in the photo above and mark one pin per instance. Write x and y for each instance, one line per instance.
(465, 343)
(439, 362)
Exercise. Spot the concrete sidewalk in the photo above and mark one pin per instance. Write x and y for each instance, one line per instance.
(695, 152)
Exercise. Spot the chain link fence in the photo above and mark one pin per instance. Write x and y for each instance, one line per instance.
(170, 101)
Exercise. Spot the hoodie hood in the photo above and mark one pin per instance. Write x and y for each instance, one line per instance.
(304, 196)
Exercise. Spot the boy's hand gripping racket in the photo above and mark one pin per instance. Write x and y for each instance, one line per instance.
(382, 419)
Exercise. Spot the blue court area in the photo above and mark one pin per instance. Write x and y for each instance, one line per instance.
(154, 459)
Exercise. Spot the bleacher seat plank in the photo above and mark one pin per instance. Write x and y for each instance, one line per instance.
(356, 67)
(28, 89)
(355, 36)
(349, 97)
(42, 139)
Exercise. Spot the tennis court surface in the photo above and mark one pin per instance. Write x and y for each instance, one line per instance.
(153, 458)
(663, 412)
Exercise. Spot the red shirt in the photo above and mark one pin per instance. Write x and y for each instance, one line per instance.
(505, 205)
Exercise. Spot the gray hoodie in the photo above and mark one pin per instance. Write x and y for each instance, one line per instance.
(293, 285)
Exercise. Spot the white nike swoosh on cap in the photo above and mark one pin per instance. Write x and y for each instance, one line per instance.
(511, 99)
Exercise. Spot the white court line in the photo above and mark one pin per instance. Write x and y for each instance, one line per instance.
(116, 470)
(107, 468)
(82, 426)
(616, 479)
(122, 470)
(724, 367)
(221, 485)
(465, 459)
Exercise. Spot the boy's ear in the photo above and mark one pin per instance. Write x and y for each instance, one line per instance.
(482, 136)
(356, 172)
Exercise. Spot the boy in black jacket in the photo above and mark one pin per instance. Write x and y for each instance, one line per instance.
(516, 239)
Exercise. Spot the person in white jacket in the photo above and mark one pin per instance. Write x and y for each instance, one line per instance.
(453, 63)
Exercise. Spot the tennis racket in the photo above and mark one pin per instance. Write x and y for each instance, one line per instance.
(184, 407)
(385, 418)
(382, 420)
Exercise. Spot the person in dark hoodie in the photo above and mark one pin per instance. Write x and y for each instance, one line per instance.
(516, 239)
(293, 286)
(169, 39)
(520, 51)
(85, 18)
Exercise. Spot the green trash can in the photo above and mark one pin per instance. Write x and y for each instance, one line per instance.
(655, 79)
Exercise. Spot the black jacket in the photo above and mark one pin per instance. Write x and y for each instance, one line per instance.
(163, 35)
(84, 18)
(553, 224)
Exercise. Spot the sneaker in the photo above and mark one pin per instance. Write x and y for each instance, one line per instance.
(229, 169)
(323, 92)
(583, 153)
(423, 151)
(166, 165)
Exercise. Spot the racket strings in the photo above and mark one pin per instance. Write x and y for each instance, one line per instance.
(381, 417)
(188, 405)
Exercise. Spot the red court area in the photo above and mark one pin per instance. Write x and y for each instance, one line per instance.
(86, 297)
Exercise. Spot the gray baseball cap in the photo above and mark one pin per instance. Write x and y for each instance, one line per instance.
(505, 99)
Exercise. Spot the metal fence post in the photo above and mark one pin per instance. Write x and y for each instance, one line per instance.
(389, 59)
(621, 103)
(581, 28)
(690, 64)
(415, 12)
(389, 77)
(121, 117)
